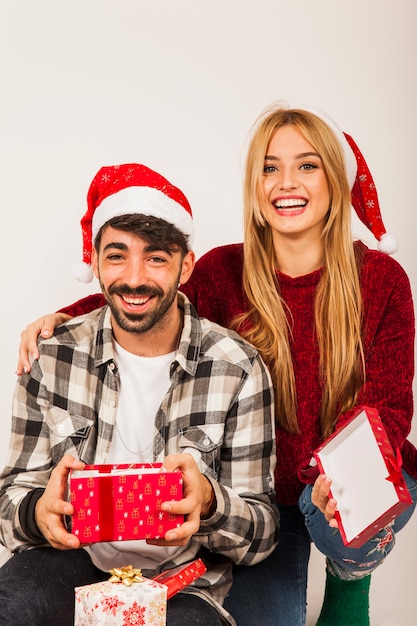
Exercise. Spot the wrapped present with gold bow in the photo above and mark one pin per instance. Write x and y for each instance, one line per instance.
(123, 502)
(367, 481)
(126, 598)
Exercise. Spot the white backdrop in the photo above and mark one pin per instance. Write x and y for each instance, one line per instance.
(176, 84)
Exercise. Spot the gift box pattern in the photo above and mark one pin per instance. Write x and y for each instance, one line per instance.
(123, 502)
(179, 577)
(114, 604)
(370, 488)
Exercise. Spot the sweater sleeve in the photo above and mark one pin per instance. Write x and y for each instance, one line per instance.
(215, 287)
(85, 305)
(389, 332)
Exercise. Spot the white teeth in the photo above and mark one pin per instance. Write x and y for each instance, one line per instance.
(136, 301)
(289, 202)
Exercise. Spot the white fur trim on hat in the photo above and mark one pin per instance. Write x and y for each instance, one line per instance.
(147, 201)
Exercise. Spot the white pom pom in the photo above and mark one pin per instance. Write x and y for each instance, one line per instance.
(83, 272)
(388, 244)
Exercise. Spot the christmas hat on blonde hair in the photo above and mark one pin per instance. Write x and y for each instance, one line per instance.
(364, 195)
(126, 190)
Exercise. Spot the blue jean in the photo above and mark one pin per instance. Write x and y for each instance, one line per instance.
(274, 592)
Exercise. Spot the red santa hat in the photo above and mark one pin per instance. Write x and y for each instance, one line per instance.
(130, 189)
(364, 195)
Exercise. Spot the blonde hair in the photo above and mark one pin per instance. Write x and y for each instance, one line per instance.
(338, 302)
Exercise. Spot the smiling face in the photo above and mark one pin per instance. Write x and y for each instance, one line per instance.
(140, 282)
(296, 192)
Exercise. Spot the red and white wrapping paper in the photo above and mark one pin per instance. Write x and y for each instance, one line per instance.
(367, 482)
(123, 502)
(179, 577)
(114, 604)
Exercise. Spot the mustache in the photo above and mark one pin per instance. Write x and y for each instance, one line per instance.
(142, 290)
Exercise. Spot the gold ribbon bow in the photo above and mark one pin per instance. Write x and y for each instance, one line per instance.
(126, 575)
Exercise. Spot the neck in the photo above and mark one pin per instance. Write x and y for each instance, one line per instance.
(161, 339)
(298, 257)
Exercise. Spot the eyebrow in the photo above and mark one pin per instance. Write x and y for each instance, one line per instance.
(114, 244)
(149, 248)
(302, 155)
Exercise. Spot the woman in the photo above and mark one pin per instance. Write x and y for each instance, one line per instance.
(334, 321)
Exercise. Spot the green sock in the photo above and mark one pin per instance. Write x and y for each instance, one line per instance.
(346, 602)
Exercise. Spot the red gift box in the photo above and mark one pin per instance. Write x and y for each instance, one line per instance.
(179, 577)
(367, 482)
(123, 502)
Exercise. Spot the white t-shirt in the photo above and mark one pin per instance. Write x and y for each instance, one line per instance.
(144, 382)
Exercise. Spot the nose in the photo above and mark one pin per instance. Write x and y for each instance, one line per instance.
(287, 179)
(135, 273)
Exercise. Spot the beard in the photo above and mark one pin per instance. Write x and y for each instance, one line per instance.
(139, 322)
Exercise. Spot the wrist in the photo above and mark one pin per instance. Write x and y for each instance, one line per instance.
(27, 516)
(210, 503)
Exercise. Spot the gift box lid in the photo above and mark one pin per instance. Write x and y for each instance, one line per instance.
(367, 481)
(179, 577)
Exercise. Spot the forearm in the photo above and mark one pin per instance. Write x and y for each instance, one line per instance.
(27, 469)
(18, 529)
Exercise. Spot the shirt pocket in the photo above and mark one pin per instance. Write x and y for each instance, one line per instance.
(67, 432)
(204, 444)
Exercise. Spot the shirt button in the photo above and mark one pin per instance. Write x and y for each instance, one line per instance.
(112, 403)
(206, 441)
(61, 428)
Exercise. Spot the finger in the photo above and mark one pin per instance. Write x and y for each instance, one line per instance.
(330, 511)
(320, 493)
(47, 325)
(28, 346)
(60, 538)
(23, 362)
(184, 506)
(177, 536)
(44, 326)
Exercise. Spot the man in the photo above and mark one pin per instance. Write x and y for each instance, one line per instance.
(141, 380)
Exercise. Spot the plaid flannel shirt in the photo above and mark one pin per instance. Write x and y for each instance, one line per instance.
(219, 408)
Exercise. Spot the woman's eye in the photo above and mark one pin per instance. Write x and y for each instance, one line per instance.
(308, 166)
(268, 169)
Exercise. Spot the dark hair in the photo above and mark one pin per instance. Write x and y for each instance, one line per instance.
(154, 230)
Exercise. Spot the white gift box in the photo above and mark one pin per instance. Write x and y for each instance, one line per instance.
(367, 482)
(114, 604)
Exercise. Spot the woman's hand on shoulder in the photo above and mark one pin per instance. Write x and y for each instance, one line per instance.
(44, 326)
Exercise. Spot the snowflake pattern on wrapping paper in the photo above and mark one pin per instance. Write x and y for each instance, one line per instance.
(107, 604)
(134, 616)
(111, 604)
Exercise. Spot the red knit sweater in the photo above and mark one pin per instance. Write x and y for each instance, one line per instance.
(215, 289)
